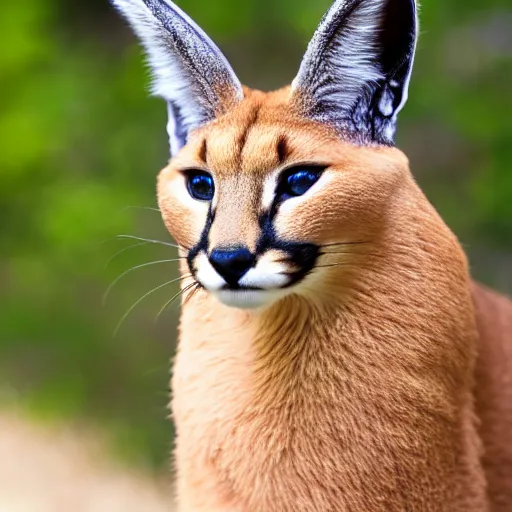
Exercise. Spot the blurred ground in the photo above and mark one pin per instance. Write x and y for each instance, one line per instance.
(56, 469)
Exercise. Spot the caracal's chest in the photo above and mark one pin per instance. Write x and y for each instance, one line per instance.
(213, 370)
(233, 446)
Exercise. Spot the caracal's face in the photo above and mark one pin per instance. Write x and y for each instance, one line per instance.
(266, 204)
(274, 194)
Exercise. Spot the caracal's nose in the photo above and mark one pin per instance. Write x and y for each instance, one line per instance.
(232, 264)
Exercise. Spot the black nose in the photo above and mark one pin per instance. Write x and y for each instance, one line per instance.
(232, 264)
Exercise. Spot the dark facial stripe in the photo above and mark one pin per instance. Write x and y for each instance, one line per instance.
(202, 245)
(203, 151)
(243, 137)
(302, 255)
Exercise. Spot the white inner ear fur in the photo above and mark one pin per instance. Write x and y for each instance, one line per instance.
(349, 61)
(348, 64)
(175, 142)
(190, 80)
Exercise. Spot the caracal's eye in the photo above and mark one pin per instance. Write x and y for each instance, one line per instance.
(299, 180)
(200, 185)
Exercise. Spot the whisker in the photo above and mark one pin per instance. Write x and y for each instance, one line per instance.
(141, 208)
(282, 260)
(121, 251)
(339, 264)
(192, 293)
(354, 253)
(148, 240)
(360, 242)
(133, 306)
(109, 289)
(172, 299)
(322, 253)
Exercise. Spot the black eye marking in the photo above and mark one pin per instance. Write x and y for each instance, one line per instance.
(296, 181)
(200, 184)
(304, 255)
(202, 244)
(282, 149)
(203, 151)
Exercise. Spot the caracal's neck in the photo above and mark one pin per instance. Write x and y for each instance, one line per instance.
(345, 385)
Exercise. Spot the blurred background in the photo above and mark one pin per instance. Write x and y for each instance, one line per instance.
(81, 144)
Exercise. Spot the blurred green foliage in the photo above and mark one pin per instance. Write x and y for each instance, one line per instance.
(80, 141)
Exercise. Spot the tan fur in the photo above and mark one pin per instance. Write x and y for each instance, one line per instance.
(357, 392)
(494, 393)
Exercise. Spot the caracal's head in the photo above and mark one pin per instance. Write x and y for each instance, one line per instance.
(268, 192)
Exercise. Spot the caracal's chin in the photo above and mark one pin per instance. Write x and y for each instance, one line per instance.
(249, 299)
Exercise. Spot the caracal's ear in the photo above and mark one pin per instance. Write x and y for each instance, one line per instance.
(357, 67)
(189, 71)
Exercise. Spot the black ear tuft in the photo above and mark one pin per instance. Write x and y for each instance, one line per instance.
(356, 71)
